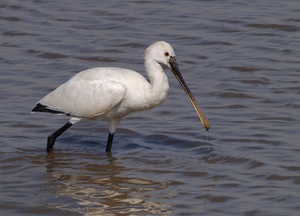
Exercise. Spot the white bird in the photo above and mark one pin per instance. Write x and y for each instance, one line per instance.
(111, 93)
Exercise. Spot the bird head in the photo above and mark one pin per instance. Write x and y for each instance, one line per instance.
(161, 52)
(164, 54)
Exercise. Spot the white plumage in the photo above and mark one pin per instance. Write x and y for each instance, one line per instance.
(112, 93)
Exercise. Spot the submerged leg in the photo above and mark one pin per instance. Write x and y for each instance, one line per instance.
(109, 141)
(52, 137)
(113, 124)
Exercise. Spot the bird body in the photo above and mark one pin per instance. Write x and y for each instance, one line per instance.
(94, 92)
(112, 93)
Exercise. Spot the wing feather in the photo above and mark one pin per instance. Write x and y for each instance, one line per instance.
(85, 98)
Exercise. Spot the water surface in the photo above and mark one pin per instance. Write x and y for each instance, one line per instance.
(239, 58)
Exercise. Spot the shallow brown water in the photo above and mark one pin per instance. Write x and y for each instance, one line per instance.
(240, 59)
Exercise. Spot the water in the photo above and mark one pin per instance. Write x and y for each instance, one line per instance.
(239, 58)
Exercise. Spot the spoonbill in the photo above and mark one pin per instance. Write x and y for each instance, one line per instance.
(111, 93)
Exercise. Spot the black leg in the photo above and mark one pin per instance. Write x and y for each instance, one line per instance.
(109, 142)
(52, 137)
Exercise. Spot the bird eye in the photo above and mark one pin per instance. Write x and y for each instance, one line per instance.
(166, 54)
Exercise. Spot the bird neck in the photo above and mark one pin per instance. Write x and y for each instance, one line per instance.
(158, 81)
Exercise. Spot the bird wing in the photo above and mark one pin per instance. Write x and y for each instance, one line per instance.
(85, 98)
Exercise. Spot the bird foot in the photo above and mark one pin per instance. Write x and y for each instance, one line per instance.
(50, 143)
